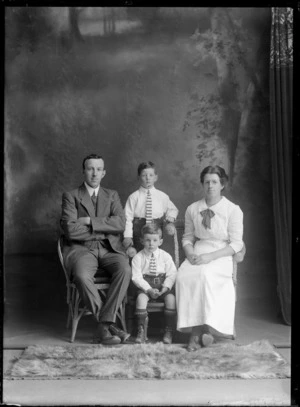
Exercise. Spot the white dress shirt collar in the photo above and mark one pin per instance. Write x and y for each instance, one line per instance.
(203, 205)
(156, 253)
(92, 190)
(143, 189)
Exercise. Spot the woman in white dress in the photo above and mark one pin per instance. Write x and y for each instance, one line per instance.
(205, 294)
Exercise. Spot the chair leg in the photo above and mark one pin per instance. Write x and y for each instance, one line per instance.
(234, 334)
(74, 328)
(76, 316)
(122, 315)
(69, 317)
(146, 328)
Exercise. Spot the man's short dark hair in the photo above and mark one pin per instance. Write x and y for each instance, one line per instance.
(144, 165)
(151, 229)
(91, 156)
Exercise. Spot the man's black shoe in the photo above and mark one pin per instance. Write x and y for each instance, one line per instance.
(114, 330)
(104, 336)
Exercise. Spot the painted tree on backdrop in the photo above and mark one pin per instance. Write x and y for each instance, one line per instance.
(225, 114)
(36, 26)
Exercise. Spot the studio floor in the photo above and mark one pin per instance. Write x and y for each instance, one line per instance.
(35, 312)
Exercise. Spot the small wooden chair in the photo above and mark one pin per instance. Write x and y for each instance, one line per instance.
(75, 308)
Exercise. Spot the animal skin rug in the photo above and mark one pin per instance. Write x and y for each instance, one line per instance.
(257, 360)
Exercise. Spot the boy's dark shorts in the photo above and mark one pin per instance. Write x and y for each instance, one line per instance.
(156, 281)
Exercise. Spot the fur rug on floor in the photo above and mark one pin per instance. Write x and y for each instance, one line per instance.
(257, 360)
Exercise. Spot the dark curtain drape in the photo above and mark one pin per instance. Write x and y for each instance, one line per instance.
(281, 95)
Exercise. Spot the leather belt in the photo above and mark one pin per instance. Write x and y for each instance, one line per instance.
(145, 218)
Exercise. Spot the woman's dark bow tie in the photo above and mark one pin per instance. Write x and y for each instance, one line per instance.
(207, 215)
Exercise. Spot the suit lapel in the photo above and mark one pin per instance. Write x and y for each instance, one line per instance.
(86, 201)
(101, 203)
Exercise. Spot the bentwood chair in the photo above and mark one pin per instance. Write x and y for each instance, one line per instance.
(76, 310)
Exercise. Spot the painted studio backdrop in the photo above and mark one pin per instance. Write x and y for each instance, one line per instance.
(182, 87)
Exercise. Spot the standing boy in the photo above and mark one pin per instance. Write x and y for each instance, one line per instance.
(147, 205)
(154, 275)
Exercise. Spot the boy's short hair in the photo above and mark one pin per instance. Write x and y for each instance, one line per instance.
(144, 165)
(151, 229)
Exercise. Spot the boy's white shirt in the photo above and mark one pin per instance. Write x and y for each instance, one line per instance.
(136, 204)
(140, 266)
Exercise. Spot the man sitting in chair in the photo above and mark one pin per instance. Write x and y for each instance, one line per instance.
(93, 222)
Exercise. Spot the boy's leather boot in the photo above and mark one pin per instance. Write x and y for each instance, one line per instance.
(170, 321)
(141, 316)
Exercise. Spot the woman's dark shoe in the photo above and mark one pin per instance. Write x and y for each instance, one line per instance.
(206, 339)
(104, 336)
(193, 343)
(114, 330)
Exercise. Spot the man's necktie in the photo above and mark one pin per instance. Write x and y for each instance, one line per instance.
(152, 266)
(207, 215)
(94, 200)
(148, 214)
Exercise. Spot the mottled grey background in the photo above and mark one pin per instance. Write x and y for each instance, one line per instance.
(183, 87)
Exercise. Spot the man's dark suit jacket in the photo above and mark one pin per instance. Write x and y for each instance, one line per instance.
(109, 223)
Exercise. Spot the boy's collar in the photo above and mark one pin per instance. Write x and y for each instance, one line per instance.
(148, 254)
(146, 189)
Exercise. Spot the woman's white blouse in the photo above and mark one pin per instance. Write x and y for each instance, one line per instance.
(226, 225)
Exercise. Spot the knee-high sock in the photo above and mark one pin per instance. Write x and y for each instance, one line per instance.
(170, 318)
(141, 315)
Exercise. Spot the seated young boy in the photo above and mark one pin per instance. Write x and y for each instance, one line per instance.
(154, 274)
(147, 205)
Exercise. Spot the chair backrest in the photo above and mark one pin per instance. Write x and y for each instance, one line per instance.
(59, 251)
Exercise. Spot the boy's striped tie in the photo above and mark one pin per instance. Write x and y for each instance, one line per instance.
(148, 214)
(152, 266)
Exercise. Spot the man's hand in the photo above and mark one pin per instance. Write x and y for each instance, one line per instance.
(131, 252)
(85, 220)
(170, 219)
(170, 229)
(127, 242)
(153, 293)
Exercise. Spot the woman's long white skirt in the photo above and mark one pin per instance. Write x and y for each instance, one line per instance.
(205, 294)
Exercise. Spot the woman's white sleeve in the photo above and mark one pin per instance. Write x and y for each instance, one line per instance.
(189, 229)
(235, 229)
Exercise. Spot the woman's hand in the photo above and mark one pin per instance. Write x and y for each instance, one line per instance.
(192, 258)
(204, 258)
